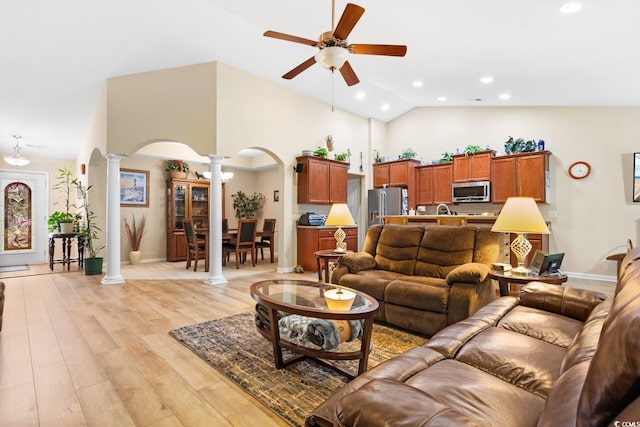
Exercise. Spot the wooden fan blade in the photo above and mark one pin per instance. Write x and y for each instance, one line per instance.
(300, 68)
(348, 20)
(349, 75)
(378, 49)
(290, 38)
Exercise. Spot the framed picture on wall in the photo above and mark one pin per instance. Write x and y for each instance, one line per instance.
(636, 177)
(134, 188)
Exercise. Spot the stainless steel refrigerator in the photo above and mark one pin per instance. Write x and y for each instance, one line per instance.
(386, 201)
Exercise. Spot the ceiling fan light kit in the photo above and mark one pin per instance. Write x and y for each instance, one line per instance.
(333, 48)
(332, 57)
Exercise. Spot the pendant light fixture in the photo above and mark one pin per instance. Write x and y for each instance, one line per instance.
(16, 159)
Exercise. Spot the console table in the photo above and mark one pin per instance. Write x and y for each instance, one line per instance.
(66, 259)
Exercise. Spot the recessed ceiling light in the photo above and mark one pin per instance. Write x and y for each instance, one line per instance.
(417, 83)
(384, 107)
(486, 79)
(571, 7)
(442, 98)
(504, 96)
(360, 95)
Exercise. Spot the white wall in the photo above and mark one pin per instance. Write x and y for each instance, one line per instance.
(590, 218)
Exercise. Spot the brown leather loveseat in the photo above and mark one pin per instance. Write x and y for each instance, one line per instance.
(556, 356)
(424, 278)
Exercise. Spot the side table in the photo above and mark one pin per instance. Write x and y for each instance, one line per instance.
(327, 255)
(504, 279)
(66, 249)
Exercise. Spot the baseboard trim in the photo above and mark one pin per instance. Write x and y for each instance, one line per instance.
(599, 277)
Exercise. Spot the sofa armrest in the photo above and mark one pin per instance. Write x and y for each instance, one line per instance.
(571, 302)
(353, 263)
(472, 272)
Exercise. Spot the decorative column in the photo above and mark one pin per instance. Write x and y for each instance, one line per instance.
(113, 221)
(215, 223)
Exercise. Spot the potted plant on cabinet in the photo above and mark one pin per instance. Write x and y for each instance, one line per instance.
(247, 206)
(177, 168)
(89, 233)
(135, 233)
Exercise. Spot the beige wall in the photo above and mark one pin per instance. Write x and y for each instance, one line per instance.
(176, 104)
(591, 218)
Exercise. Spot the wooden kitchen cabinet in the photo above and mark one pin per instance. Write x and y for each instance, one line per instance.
(473, 167)
(442, 181)
(398, 173)
(520, 175)
(186, 200)
(433, 184)
(424, 185)
(322, 181)
(312, 239)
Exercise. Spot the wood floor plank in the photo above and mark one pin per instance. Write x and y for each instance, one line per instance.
(102, 406)
(188, 406)
(58, 403)
(18, 406)
(238, 407)
(139, 397)
(15, 360)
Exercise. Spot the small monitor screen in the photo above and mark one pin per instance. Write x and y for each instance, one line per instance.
(551, 264)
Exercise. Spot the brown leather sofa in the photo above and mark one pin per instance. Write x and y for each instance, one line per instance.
(556, 356)
(424, 278)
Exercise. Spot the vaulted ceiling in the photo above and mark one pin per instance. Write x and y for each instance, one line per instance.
(56, 56)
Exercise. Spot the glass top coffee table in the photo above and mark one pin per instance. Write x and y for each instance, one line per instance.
(278, 298)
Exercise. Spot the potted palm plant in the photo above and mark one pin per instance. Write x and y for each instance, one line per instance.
(89, 233)
(135, 234)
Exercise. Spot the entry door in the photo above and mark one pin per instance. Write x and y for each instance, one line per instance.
(23, 217)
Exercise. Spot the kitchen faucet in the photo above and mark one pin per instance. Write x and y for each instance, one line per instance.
(446, 209)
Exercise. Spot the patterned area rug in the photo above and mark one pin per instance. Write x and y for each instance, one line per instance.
(233, 346)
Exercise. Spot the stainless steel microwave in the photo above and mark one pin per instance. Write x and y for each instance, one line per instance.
(471, 192)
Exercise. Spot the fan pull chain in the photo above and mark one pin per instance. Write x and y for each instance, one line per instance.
(332, 94)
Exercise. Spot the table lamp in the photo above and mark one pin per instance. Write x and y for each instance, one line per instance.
(339, 299)
(339, 216)
(520, 215)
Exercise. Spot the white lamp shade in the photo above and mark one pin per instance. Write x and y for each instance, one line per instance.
(332, 57)
(16, 161)
(339, 215)
(520, 215)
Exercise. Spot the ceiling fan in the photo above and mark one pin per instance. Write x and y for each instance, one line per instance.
(333, 47)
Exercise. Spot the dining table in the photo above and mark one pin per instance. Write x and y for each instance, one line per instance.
(230, 235)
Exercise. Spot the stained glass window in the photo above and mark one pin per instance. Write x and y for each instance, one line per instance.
(17, 216)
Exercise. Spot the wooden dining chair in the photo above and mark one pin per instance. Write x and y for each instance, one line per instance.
(196, 247)
(244, 244)
(267, 240)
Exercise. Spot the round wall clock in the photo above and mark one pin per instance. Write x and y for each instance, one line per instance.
(579, 170)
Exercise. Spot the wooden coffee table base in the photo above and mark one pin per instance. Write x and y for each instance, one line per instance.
(319, 355)
(307, 299)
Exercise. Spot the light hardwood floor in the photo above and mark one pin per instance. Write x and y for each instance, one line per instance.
(74, 352)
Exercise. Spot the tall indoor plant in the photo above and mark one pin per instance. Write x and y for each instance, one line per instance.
(64, 221)
(89, 232)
